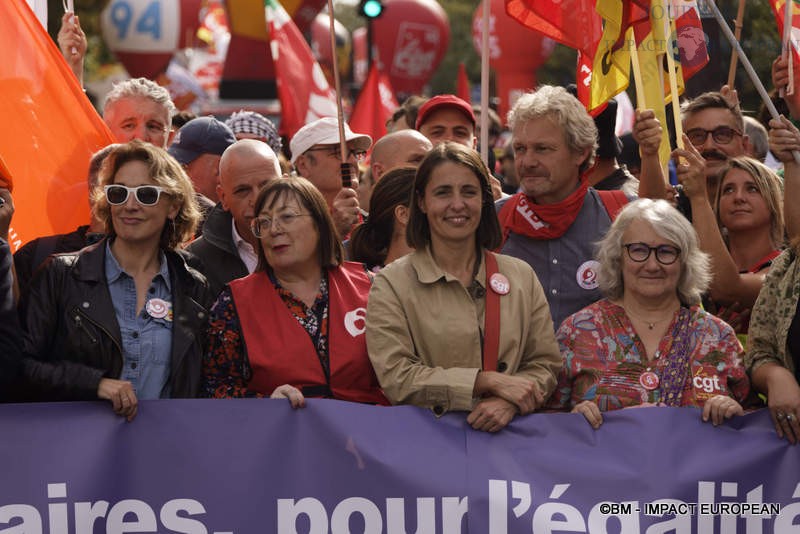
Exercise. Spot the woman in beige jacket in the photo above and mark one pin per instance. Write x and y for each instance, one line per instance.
(430, 338)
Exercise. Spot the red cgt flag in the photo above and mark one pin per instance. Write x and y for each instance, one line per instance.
(374, 106)
(50, 129)
(303, 90)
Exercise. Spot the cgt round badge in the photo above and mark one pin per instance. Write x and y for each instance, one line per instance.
(499, 284)
(586, 275)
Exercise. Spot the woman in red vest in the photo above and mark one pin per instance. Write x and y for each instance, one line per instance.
(452, 326)
(295, 327)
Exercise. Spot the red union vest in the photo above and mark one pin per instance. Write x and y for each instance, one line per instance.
(280, 351)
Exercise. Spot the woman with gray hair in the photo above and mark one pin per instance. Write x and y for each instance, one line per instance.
(648, 342)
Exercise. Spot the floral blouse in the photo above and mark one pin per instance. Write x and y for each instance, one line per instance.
(604, 360)
(226, 370)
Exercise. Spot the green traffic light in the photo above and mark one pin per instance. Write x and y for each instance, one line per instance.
(372, 8)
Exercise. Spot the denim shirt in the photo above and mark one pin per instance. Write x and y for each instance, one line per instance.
(146, 340)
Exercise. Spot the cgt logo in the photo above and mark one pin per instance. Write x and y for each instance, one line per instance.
(355, 321)
(708, 384)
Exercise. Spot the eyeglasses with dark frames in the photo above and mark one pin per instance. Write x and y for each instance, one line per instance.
(334, 151)
(721, 134)
(640, 252)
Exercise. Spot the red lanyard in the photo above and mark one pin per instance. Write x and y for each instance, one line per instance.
(491, 318)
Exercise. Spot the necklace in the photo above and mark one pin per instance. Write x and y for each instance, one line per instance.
(652, 324)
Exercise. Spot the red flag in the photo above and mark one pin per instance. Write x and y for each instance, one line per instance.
(462, 85)
(374, 106)
(574, 23)
(690, 35)
(50, 129)
(303, 90)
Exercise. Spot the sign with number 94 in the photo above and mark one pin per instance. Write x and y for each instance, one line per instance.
(141, 25)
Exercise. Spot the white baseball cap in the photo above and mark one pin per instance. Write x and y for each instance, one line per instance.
(325, 131)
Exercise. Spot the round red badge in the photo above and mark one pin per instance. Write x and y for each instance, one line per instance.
(499, 284)
(649, 380)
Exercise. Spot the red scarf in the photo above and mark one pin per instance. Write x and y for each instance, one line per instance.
(541, 221)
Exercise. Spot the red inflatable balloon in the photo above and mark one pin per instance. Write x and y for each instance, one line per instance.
(321, 46)
(411, 38)
(515, 52)
(144, 34)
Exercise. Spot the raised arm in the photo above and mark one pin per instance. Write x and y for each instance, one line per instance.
(647, 132)
(784, 137)
(728, 286)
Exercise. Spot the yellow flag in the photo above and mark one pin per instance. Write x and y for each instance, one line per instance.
(651, 53)
(611, 66)
(665, 34)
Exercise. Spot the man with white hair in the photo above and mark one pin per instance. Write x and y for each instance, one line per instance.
(316, 156)
(556, 219)
(139, 109)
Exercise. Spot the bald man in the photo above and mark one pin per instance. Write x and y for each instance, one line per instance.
(396, 149)
(403, 147)
(227, 248)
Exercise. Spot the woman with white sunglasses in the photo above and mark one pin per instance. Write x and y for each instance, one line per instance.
(122, 320)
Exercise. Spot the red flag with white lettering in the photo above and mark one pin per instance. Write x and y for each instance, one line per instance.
(50, 129)
(374, 106)
(303, 90)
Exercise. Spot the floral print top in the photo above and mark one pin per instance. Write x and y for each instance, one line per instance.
(226, 370)
(604, 360)
(772, 315)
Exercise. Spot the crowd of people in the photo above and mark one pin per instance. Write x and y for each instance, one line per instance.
(220, 264)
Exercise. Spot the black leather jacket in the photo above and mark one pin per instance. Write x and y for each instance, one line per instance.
(72, 337)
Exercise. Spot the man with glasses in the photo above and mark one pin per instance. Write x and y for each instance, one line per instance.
(317, 157)
(227, 248)
(715, 127)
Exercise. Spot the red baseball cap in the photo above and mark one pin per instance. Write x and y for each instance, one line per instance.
(444, 101)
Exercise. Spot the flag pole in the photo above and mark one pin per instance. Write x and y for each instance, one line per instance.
(738, 35)
(637, 72)
(484, 141)
(786, 49)
(748, 67)
(673, 86)
(346, 172)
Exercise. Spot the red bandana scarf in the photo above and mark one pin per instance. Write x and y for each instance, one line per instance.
(541, 221)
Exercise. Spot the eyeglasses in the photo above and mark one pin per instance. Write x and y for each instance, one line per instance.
(146, 195)
(359, 155)
(722, 135)
(263, 224)
(665, 254)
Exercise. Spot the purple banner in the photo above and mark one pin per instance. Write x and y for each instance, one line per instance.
(256, 466)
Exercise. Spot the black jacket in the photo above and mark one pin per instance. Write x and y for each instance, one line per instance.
(72, 337)
(214, 253)
(10, 335)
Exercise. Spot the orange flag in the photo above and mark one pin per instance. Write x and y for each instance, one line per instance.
(374, 106)
(50, 129)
